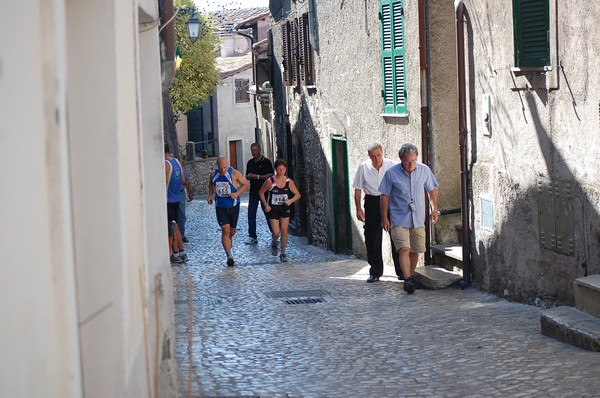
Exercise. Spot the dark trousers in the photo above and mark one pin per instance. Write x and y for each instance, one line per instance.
(253, 202)
(373, 238)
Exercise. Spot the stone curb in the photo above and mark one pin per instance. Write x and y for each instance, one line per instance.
(569, 325)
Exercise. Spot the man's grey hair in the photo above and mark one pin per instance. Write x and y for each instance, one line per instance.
(374, 145)
(407, 148)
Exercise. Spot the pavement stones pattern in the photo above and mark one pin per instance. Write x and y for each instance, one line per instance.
(348, 338)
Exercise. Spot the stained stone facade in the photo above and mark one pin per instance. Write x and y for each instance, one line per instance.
(530, 193)
(535, 192)
(324, 126)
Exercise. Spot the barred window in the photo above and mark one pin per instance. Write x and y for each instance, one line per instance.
(241, 90)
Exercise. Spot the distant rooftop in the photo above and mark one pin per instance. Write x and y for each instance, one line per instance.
(226, 20)
(229, 66)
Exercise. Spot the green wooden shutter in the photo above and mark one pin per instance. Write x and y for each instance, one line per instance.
(393, 60)
(531, 32)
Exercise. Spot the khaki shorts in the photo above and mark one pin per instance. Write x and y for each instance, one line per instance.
(409, 237)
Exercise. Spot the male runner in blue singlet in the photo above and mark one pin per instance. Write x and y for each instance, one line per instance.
(225, 186)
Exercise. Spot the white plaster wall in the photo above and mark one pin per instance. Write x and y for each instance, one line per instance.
(234, 45)
(444, 156)
(264, 24)
(536, 133)
(236, 121)
(182, 130)
(157, 277)
(39, 334)
(83, 239)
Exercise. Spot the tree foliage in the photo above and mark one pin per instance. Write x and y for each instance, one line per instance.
(196, 79)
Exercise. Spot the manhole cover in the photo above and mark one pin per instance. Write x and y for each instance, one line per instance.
(297, 293)
(305, 301)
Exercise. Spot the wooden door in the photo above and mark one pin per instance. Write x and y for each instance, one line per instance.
(233, 160)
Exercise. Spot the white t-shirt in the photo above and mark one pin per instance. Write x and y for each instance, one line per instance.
(368, 178)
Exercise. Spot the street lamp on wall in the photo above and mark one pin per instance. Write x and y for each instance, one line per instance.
(193, 27)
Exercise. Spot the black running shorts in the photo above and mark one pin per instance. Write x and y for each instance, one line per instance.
(228, 215)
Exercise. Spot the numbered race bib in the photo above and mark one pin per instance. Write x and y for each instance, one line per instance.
(279, 199)
(223, 188)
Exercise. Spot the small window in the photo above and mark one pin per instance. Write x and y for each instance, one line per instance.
(241, 90)
(531, 20)
(393, 61)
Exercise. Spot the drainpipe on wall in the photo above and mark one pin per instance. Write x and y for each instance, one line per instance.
(424, 117)
(256, 128)
(167, 34)
(462, 131)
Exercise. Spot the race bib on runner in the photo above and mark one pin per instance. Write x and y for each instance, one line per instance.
(279, 199)
(223, 188)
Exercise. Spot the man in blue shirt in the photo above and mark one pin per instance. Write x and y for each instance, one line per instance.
(403, 194)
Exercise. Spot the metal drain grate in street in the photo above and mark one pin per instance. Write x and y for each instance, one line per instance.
(199, 302)
(305, 301)
(297, 293)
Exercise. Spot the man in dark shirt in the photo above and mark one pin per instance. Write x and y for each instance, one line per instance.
(258, 169)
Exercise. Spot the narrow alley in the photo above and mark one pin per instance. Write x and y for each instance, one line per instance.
(313, 328)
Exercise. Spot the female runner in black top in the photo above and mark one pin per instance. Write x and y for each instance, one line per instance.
(277, 207)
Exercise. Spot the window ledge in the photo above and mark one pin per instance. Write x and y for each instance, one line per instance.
(395, 115)
(546, 68)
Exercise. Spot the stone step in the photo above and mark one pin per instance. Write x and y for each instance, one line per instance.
(587, 294)
(570, 325)
(448, 256)
(434, 277)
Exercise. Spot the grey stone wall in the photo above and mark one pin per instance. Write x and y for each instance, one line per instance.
(198, 171)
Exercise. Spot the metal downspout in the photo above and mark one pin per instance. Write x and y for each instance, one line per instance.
(424, 117)
(256, 128)
(462, 131)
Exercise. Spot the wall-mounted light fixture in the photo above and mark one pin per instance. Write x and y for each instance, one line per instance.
(193, 27)
(193, 23)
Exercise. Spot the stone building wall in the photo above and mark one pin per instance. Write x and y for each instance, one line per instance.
(537, 170)
(198, 171)
(346, 104)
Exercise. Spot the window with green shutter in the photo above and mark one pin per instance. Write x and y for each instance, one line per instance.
(393, 62)
(531, 32)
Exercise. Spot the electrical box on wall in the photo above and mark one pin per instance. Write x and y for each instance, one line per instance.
(486, 114)
(487, 214)
(555, 216)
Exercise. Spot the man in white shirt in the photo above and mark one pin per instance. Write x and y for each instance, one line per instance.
(368, 177)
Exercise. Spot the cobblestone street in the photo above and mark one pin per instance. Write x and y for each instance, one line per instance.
(313, 328)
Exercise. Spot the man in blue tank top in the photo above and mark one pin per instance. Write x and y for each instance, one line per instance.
(175, 179)
(225, 186)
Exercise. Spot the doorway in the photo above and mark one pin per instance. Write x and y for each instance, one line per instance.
(235, 155)
(341, 196)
